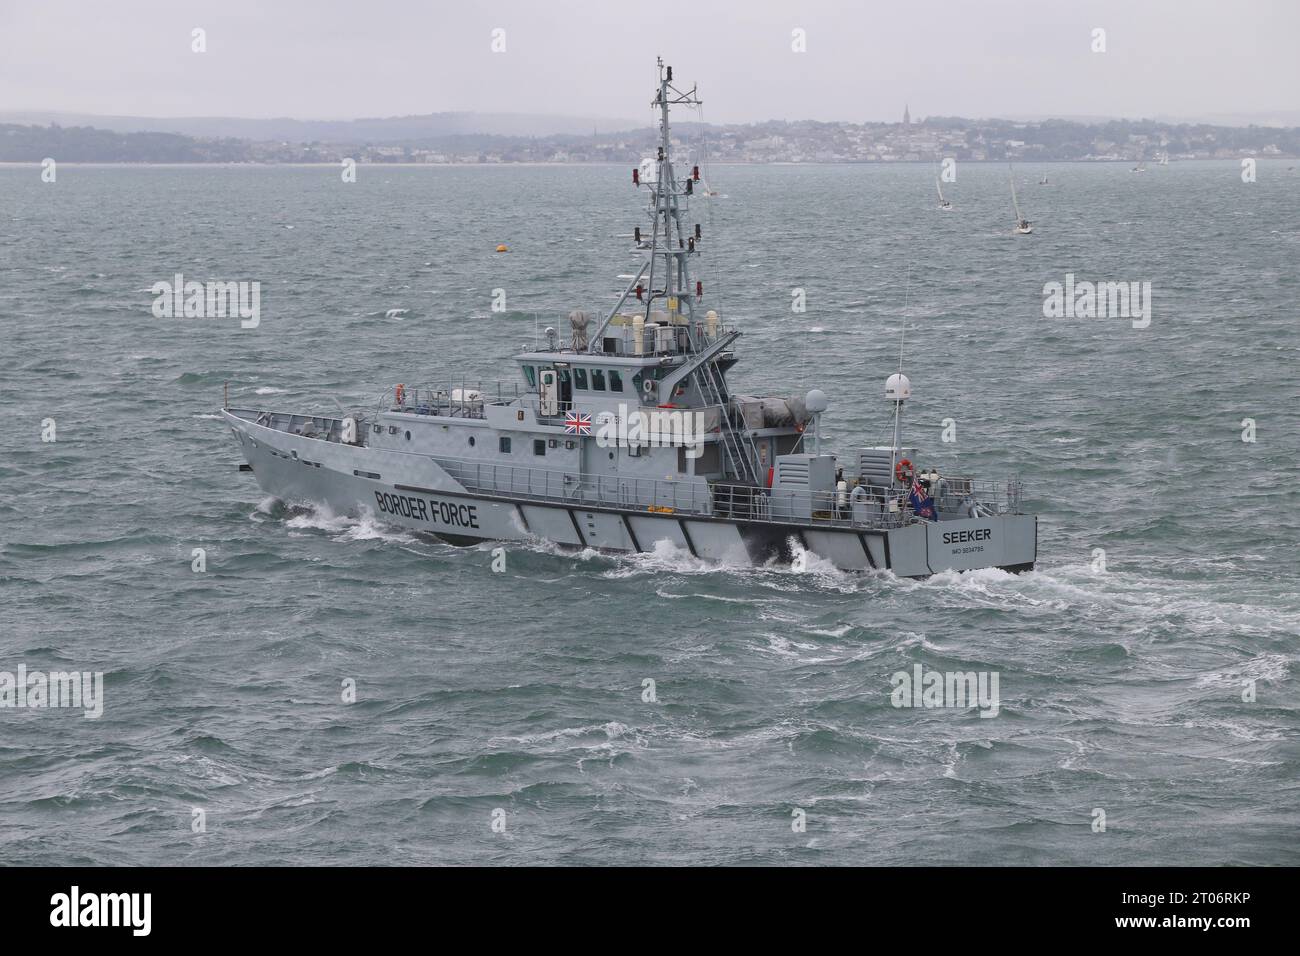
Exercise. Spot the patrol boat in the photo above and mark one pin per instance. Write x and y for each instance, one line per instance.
(624, 435)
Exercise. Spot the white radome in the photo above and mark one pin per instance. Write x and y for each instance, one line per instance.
(816, 401)
(898, 388)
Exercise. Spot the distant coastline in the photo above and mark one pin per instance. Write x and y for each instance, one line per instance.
(145, 164)
(767, 143)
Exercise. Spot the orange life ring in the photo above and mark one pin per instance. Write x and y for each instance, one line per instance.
(903, 464)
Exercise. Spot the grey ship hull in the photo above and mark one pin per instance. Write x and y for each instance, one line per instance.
(413, 491)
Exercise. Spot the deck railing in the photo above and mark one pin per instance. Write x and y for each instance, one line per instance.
(880, 508)
(464, 399)
(719, 499)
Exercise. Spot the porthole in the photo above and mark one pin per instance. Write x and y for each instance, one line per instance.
(408, 436)
(471, 441)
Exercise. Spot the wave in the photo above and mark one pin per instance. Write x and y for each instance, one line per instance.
(344, 527)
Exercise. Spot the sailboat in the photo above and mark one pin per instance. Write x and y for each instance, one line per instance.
(1163, 160)
(708, 191)
(1023, 225)
(944, 204)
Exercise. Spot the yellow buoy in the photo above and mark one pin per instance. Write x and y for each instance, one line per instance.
(502, 248)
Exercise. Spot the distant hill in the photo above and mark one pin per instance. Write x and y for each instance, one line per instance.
(391, 129)
(775, 141)
(73, 144)
(1278, 119)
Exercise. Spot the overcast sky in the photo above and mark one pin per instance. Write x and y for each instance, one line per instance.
(327, 59)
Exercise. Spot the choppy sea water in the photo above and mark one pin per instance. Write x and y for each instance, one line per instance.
(1120, 690)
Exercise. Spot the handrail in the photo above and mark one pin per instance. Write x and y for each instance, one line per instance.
(464, 399)
(883, 507)
(718, 499)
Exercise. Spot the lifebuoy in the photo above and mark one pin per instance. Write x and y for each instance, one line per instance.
(401, 391)
(904, 464)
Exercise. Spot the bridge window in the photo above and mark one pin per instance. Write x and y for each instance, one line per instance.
(539, 446)
(580, 378)
(597, 380)
(615, 381)
(504, 445)
(530, 375)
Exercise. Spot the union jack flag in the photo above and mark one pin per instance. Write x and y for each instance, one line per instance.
(576, 424)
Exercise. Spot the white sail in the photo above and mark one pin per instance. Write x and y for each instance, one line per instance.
(1023, 226)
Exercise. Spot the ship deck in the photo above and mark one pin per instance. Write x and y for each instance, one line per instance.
(724, 499)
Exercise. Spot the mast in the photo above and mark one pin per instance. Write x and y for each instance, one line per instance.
(667, 269)
(1019, 218)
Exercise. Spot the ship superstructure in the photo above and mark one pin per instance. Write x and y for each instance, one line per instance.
(621, 432)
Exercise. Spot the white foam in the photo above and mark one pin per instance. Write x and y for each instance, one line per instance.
(663, 556)
(568, 738)
(1262, 667)
(347, 528)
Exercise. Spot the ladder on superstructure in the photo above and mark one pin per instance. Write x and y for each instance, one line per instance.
(737, 446)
